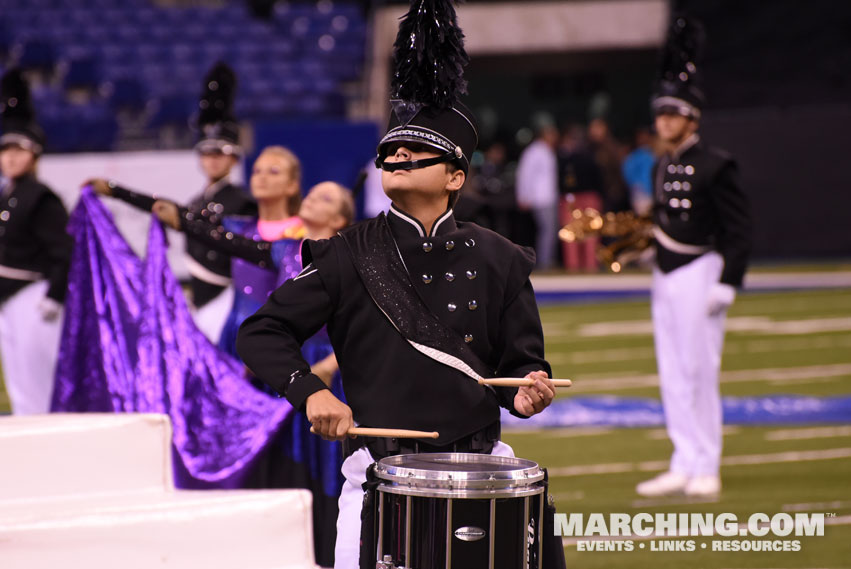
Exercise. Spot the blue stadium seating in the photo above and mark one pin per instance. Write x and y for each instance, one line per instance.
(124, 93)
(137, 56)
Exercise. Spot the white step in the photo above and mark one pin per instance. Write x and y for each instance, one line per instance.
(91, 453)
(176, 530)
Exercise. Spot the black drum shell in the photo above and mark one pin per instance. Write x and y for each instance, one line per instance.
(464, 516)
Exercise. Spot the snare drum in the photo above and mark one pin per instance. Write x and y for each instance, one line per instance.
(455, 510)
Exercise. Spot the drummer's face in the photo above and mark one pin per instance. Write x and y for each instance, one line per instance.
(435, 181)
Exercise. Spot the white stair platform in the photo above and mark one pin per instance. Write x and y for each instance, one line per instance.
(96, 491)
(182, 529)
(88, 453)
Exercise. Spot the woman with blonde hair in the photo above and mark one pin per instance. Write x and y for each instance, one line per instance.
(265, 252)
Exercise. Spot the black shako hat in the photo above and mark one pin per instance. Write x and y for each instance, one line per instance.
(19, 126)
(428, 78)
(679, 88)
(219, 131)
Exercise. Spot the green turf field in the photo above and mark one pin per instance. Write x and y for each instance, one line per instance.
(790, 342)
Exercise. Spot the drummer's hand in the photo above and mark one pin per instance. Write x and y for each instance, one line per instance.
(535, 398)
(330, 417)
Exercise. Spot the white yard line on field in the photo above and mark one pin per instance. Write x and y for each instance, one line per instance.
(562, 432)
(810, 433)
(675, 500)
(733, 346)
(736, 460)
(758, 324)
(739, 376)
(662, 434)
(816, 506)
(568, 496)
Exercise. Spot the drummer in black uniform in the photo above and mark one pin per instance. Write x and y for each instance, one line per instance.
(703, 241)
(219, 153)
(35, 252)
(417, 304)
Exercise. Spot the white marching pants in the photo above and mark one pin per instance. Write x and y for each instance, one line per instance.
(347, 551)
(29, 347)
(688, 354)
(211, 317)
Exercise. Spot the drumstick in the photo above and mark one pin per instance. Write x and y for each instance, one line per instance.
(389, 433)
(520, 382)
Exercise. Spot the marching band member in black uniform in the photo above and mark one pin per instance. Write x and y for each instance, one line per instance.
(219, 153)
(417, 304)
(35, 252)
(703, 241)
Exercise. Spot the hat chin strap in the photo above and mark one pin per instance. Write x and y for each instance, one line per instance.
(413, 164)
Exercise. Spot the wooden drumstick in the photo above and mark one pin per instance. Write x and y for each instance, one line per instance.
(388, 433)
(520, 382)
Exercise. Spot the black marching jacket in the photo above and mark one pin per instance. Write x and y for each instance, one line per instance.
(698, 203)
(33, 238)
(471, 279)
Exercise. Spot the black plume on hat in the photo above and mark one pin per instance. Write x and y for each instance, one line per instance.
(429, 56)
(679, 83)
(428, 80)
(18, 114)
(216, 121)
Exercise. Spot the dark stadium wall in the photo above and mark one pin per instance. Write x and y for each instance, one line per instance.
(779, 98)
(794, 167)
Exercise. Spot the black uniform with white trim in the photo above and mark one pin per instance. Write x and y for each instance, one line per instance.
(475, 281)
(699, 204)
(33, 241)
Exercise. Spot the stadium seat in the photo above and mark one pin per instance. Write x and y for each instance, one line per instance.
(34, 54)
(82, 72)
(124, 93)
(172, 110)
(135, 49)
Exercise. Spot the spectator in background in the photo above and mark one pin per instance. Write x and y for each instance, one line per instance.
(580, 183)
(537, 189)
(607, 153)
(638, 172)
(493, 184)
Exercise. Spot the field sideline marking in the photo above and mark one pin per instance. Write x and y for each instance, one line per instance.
(736, 460)
(759, 281)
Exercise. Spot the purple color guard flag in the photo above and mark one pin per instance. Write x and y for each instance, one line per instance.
(129, 345)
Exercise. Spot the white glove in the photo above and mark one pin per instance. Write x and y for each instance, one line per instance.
(721, 296)
(49, 309)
